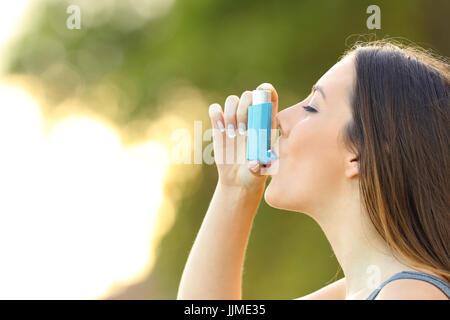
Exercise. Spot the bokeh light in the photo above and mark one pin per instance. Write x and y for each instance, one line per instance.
(77, 207)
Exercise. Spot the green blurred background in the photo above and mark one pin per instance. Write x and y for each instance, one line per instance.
(134, 62)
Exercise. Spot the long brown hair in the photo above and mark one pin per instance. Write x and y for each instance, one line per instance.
(401, 133)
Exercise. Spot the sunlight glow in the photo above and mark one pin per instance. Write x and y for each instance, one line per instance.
(11, 13)
(78, 209)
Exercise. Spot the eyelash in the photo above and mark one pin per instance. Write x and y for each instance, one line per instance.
(309, 109)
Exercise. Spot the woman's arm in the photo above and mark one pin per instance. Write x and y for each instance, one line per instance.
(214, 267)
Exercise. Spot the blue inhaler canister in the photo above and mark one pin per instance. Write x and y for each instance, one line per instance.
(259, 127)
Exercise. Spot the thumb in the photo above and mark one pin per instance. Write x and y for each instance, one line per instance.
(254, 167)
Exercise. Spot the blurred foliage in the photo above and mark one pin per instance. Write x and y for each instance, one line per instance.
(144, 48)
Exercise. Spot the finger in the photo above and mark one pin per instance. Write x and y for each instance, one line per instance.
(254, 167)
(231, 104)
(274, 100)
(218, 131)
(216, 116)
(241, 113)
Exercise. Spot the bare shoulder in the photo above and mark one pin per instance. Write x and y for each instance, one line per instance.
(410, 289)
(333, 291)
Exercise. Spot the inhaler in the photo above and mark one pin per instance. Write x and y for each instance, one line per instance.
(259, 127)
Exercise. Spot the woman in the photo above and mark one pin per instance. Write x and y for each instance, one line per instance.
(366, 155)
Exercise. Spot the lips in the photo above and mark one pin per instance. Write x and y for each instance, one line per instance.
(271, 168)
(275, 150)
(274, 153)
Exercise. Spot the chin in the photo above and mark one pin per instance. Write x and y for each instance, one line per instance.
(272, 197)
(277, 198)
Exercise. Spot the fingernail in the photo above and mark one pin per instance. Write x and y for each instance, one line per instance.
(241, 126)
(231, 132)
(220, 125)
(263, 85)
(253, 165)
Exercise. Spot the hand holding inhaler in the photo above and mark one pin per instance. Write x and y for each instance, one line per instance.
(256, 111)
(259, 127)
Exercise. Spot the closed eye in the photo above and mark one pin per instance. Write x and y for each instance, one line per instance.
(309, 109)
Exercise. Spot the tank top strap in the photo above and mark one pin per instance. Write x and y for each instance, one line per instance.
(441, 284)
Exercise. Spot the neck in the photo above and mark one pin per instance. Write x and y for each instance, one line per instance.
(364, 256)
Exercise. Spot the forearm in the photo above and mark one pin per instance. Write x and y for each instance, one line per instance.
(214, 266)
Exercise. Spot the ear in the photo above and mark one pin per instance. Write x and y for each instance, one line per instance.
(351, 165)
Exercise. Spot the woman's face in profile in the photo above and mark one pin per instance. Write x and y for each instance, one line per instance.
(314, 167)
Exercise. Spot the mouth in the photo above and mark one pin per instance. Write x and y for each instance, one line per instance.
(272, 164)
(272, 156)
(275, 151)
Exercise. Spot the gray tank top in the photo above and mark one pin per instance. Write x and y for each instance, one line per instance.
(441, 284)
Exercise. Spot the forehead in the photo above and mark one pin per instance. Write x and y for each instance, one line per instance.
(337, 82)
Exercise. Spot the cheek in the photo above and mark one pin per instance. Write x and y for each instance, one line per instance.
(313, 147)
(309, 168)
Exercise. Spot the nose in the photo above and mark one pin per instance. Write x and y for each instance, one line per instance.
(285, 119)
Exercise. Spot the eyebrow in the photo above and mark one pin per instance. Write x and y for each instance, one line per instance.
(320, 89)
